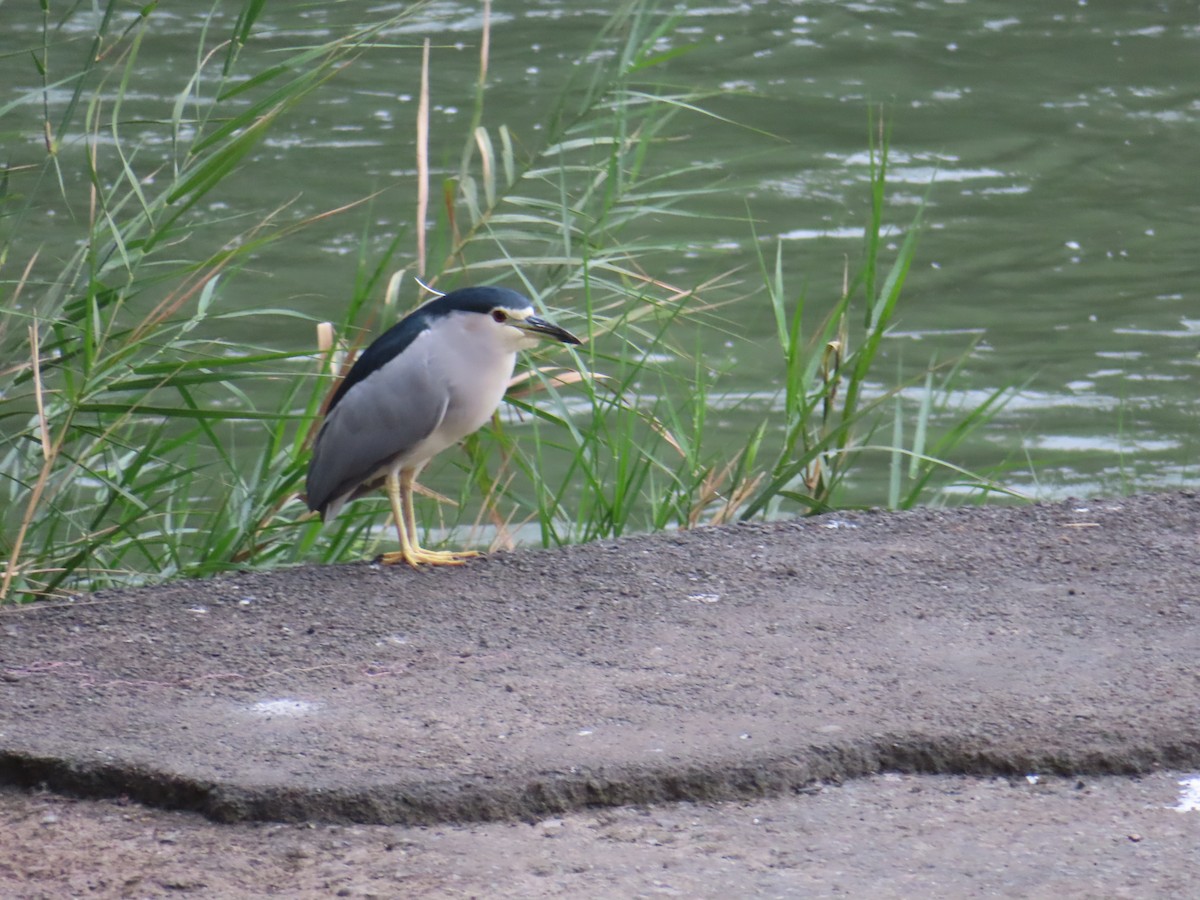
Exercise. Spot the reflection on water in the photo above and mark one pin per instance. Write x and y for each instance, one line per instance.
(1061, 229)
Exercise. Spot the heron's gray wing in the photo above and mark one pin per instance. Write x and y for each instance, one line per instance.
(380, 419)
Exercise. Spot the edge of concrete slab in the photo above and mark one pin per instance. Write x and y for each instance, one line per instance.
(1135, 561)
(552, 793)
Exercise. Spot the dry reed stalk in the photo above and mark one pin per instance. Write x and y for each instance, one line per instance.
(422, 159)
(485, 42)
(35, 496)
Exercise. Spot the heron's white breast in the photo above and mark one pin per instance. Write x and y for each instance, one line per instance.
(473, 362)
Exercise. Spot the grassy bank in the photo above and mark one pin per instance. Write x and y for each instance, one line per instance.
(142, 440)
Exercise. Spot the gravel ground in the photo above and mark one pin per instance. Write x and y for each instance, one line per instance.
(841, 706)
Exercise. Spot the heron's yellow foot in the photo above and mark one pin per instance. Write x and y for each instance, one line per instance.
(452, 555)
(422, 557)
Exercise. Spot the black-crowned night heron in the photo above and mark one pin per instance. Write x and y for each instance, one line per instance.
(426, 383)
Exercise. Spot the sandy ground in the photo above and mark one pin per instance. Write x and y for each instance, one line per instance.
(890, 836)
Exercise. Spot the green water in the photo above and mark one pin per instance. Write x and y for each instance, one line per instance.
(1063, 224)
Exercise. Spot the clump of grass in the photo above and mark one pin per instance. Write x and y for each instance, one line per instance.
(831, 415)
(134, 447)
(118, 411)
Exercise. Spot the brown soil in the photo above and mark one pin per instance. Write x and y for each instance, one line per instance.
(890, 836)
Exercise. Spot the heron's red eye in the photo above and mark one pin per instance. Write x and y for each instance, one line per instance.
(500, 316)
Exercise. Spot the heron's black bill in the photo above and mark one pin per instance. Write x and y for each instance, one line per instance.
(547, 329)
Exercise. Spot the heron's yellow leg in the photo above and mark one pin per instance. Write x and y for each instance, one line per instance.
(433, 557)
(399, 491)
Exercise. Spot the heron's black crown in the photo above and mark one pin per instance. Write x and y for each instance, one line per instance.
(393, 342)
